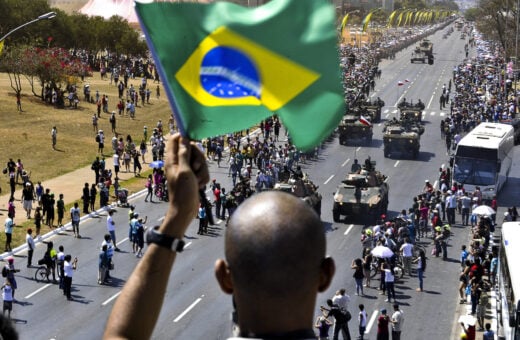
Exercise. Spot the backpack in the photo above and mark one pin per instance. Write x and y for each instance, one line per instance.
(4, 272)
(98, 139)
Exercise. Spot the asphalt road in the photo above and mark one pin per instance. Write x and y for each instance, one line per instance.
(195, 308)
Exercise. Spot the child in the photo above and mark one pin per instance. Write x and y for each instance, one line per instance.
(7, 296)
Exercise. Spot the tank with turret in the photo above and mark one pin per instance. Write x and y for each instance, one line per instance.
(362, 196)
(303, 188)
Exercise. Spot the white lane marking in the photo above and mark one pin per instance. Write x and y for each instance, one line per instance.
(348, 229)
(123, 240)
(186, 311)
(187, 245)
(394, 112)
(345, 162)
(430, 101)
(385, 111)
(442, 114)
(160, 219)
(37, 291)
(396, 164)
(379, 124)
(432, 113)
(386, 116)
(107, 301)
(371, 322)
(358, 148)
(328, 179)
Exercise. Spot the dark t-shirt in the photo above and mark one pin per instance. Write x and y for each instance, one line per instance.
(382, 325)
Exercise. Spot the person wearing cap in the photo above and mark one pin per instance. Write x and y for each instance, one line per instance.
(7, 297)
(28, 198)
(9, 270)
(382, 326)
(100, 138)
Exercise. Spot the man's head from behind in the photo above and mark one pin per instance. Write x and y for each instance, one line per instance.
(275, 254)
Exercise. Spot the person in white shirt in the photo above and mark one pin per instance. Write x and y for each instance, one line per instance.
(362, 321)
(111, 228)
(69, 266)
(407, 253)
(30, 247)
(397, 320)
(75, 217)
(7, 297)
(341, 299)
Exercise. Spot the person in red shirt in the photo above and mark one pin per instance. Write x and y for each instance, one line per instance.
(382, 326)
(218, 202)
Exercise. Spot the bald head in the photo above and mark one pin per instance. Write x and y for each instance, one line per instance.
(275, 245)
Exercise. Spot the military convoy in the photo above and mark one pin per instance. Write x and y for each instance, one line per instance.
(303, 188)
(361, 197)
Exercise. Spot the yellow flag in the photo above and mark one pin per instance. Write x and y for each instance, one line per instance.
(1, 46)
(366, 21)
(344, 22)
(391, 18)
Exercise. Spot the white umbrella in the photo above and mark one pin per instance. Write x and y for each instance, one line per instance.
(484, 210)
(382, 252)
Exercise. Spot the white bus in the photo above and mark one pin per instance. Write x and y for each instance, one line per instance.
(483, 158)
(508, 304)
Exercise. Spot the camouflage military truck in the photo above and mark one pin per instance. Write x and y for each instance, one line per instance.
(426, 47)
(413, 114)
(361, 197)
(352, 129)
(397, 140)
(303, 188)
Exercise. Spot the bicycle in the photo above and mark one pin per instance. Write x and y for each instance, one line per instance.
(42, 273)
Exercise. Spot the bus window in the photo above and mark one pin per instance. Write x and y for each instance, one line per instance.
(474, 171)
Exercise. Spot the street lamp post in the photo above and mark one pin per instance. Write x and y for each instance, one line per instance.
(49, 15)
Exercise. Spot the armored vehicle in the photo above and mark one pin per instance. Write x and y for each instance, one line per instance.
(372, 109)
(414, 114)
(418, 55)
(353, 128)
(426, 47)
(303, 188)
(361, 197)
(404, 105)
(397, 140)
(409, 125)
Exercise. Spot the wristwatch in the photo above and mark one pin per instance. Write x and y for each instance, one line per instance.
(172, 243)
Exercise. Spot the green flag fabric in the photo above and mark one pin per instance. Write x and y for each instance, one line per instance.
(226, 67)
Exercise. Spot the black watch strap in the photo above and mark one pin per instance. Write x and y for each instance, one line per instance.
(172, 243)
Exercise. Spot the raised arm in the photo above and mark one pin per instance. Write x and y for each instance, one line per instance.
(137, 308)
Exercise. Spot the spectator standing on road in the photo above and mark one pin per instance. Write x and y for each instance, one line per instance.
(389, 281)
(107, 241)
(407, 253)
(382, 326)
(421, 267)
(30, 247)
(149, 187)
(217, 201)
(367, 265)
(7, 297)
(397, 320)
(323, 325)
(357, 265)
(74, 219)
(111, 228)
(60, 260)
(9, 273)
(341, 321)
(362, 321)
(103, 264)
(69, 266)
(38, 222)
(9, 225)
(341, 299)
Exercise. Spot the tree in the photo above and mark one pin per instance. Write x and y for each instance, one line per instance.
(52, 67)
(12, 64)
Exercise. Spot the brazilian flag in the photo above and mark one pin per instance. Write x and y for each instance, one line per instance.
(226, 67)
